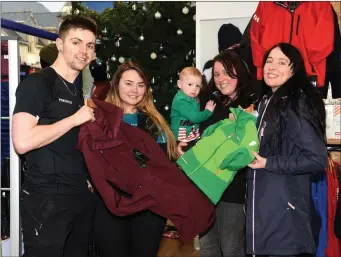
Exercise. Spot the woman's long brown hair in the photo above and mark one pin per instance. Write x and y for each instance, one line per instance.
(146, 106)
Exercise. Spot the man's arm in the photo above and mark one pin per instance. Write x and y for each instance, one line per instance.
(32, 94)
(28, 136)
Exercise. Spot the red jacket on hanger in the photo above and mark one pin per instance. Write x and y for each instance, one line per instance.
(309, 26)
(124, 156)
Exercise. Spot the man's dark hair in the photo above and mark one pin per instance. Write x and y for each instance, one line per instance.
(76, 22)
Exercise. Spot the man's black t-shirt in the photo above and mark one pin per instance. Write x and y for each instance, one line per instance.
(57, 167)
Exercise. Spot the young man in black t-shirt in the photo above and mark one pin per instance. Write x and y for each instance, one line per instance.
(55, 203)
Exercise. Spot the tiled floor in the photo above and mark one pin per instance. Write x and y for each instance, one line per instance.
(174, 248)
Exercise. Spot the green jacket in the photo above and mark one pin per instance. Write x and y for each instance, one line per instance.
(224, 148)
(186, 114)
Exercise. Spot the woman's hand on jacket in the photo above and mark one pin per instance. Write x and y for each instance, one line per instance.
(258, 163)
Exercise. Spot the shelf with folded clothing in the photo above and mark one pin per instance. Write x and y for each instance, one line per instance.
(334, 149)
(333, 141)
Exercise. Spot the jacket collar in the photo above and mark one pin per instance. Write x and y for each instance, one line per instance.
(108, 114)
(290, 5)
(181, 96)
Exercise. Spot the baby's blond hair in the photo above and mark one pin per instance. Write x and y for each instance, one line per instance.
(190, 71)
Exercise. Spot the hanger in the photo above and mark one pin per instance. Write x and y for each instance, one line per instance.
(334, 149)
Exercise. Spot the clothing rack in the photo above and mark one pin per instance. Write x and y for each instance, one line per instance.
(334, 148)
(334, 145)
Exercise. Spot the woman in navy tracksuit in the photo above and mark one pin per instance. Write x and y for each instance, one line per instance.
(291, 127)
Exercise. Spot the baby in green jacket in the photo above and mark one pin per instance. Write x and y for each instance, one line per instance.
(185, 112)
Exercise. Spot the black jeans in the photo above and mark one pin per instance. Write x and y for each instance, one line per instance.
(135, 235)
(56, 225)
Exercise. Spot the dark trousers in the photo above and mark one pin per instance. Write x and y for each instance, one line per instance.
(135, 235)
(226, 237)
(56, 225)
(300, 255)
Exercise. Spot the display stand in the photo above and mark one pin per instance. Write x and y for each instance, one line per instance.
(13, 79)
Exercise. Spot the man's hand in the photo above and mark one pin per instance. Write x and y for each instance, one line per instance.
(27, 135)
(84, 114)
(259, 162)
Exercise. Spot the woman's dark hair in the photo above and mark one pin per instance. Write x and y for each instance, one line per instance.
(298, 93)
(236, 68)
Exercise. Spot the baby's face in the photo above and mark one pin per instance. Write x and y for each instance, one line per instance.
(190, 85)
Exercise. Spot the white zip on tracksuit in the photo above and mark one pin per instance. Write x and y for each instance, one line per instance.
(260, 128)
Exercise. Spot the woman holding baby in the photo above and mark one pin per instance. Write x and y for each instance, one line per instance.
(230, 86)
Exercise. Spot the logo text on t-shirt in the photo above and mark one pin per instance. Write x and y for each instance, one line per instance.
(65, 101)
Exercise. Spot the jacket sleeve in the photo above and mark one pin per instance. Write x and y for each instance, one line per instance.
(258, 21)
(246, 53)
(312, 156)
(187, 111)
(321, 42)
(333, 61)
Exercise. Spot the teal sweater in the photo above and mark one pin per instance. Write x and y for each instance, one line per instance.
(186, 114)
(132, 118)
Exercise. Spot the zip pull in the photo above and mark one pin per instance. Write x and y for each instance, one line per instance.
(38, 229)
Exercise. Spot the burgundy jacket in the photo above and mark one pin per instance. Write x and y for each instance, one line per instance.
(125, 157)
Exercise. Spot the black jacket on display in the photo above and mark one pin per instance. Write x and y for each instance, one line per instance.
(333, 74)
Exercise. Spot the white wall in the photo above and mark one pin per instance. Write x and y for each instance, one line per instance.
(209, 17)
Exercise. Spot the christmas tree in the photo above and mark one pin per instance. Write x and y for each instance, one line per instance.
(160, 36)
